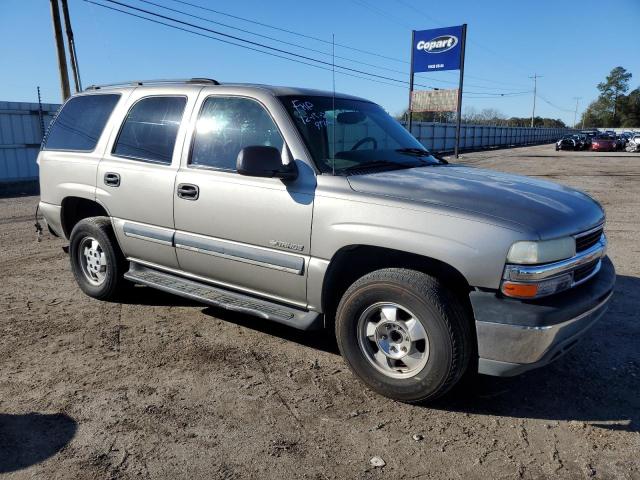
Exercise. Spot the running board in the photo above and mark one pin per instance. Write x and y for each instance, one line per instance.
(218, 297)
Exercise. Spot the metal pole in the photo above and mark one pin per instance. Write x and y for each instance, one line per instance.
(72, 46)
(575, 114)
(413, 36)
(40, 114)
(464, 41)
(535, 87)
(62, 59)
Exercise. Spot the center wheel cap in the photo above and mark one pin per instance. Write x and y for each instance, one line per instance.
(393, 339)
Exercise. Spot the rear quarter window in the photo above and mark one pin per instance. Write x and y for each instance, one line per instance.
(149, 132)
(79, 125)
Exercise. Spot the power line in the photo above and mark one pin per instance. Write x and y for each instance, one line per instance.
(440, 23)
(382, 13)
(254, 44)
(182, 12)
(291, 32)
(349, 71)
(498, 95)
(568, 110)
(240, 45)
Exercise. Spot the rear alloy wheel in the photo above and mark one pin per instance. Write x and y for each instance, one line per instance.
(404, 334)
(96, 260)
(92, 260)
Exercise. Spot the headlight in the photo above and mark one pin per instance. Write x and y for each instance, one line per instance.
(526, 253)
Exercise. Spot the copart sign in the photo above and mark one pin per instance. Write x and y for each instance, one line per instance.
(437, 49)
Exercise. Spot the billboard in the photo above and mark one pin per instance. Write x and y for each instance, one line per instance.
(434, 100)
(437, 49)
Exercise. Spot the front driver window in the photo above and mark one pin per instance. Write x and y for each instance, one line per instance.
(228, 124)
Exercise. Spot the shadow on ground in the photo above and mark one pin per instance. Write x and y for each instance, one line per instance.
(595, 383)
(26, 440)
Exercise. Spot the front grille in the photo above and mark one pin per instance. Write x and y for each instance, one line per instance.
(585, 242)
(584, 271)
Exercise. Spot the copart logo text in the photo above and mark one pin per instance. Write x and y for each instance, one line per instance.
(439, 44)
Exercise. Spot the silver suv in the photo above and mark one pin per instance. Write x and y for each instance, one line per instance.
(320, 210)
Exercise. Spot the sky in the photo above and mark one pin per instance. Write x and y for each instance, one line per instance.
(571, 44)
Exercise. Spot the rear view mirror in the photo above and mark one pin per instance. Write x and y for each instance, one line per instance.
(262, 161)
(351, 118)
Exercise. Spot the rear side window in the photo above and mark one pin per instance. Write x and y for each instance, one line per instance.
(150, 129)
(80, 123)
(228, 124)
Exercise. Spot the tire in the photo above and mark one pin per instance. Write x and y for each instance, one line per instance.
(102, 276)
(447, 348)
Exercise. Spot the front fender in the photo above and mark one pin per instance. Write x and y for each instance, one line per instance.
(475, 248)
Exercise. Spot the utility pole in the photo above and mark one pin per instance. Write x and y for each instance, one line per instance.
(72, 46)
(575, 114)
(535, 85)
(62, 59)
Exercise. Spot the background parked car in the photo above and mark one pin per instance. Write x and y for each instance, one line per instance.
(633, 145)
(568, 142)
(603, 143)
(584, 142)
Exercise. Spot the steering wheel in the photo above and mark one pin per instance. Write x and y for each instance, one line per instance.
(361, 142)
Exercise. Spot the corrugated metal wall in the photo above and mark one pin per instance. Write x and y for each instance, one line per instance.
(441, 137)
(20, 138)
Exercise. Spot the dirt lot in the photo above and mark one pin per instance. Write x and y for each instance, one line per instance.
(158, 387)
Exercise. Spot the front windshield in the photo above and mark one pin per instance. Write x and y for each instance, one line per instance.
(344, 135)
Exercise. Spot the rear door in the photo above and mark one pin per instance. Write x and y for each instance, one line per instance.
(246, 233)
(74, 146)
(136, 176)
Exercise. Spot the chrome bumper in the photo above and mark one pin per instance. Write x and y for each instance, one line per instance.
(537, 273)
(515, 336)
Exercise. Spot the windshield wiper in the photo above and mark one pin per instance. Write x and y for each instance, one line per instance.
(414, 151)
(379, 163)
(421, 153)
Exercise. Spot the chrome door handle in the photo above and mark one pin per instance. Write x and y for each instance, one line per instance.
(188, 191)
(112, 179)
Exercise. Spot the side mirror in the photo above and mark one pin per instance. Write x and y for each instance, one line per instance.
(261, 161)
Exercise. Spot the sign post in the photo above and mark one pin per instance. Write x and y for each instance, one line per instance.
(459, 115)
(413, 37)
(435, 50)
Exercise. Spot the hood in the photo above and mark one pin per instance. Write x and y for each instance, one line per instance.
(549, 209)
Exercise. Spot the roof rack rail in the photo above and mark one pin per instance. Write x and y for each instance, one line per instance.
(198, 80)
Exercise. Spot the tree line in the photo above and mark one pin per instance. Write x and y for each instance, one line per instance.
(486, 116)
(614, 107)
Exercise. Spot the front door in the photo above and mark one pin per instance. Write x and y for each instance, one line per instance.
(136, 176)
(246, 233)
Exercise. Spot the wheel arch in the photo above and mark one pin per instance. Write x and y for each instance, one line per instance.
(353, 261)
(75, 209)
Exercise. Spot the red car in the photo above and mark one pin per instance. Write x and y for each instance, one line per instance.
(603, 143)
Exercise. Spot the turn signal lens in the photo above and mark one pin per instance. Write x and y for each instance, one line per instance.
(519, 290)
(539, 289)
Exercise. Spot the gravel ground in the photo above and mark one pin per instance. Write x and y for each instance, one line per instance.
(159, 387)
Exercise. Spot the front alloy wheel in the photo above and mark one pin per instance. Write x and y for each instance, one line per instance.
(393, 340)
(404, 334)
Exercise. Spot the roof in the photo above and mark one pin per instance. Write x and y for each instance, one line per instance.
(207, 82)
